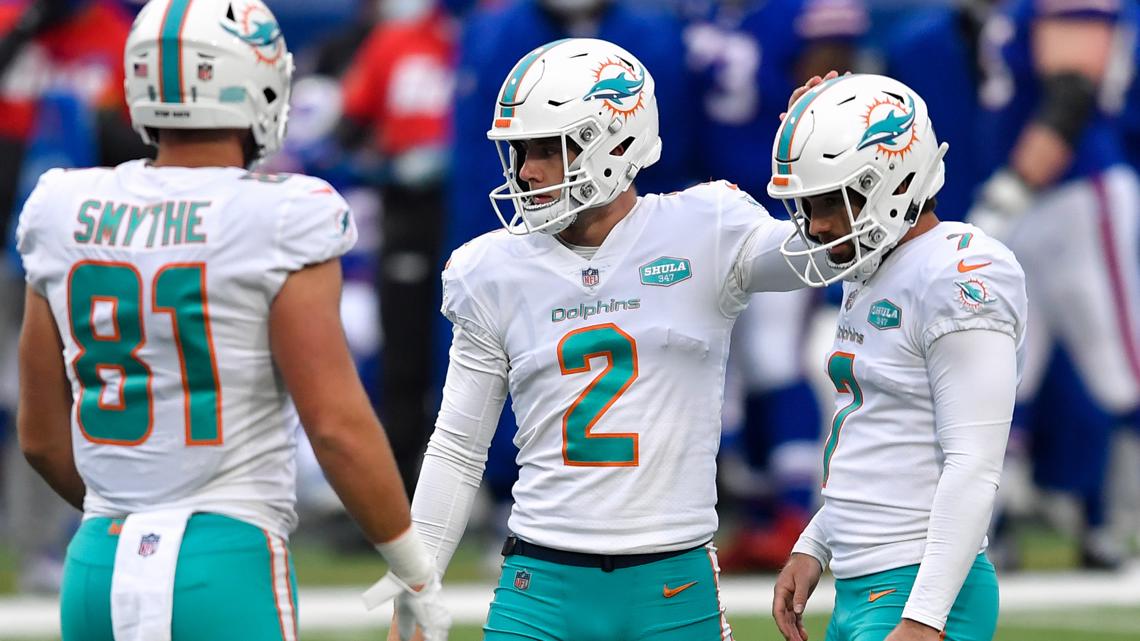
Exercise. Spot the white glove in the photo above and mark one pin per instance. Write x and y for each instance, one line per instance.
(1002, 201)
(423, 608)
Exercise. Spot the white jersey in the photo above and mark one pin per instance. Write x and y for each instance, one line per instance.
(616, 364)
(882, 459)
(160, 281)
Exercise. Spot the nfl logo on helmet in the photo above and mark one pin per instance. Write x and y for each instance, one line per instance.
(148, 544)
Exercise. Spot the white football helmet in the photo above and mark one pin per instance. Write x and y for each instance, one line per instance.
(867, 133)
(592, 93)
(209, 64)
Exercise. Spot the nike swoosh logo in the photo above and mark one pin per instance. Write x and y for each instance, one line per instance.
(669, 593)
(963, 267)
(875, 596)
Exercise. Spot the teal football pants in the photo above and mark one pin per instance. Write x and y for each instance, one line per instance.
(674, 599)
(867, 608)
(234, 582)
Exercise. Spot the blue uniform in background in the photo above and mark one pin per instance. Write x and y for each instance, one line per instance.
(1079, 248)
(1010, 92)
(744, 57)
(1130, 117)
(944, 38)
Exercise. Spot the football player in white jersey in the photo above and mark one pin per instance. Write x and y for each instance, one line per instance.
(607, 315)
(927, 355)
(175, 310)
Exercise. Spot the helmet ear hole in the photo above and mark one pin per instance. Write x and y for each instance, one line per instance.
(270, 95)
(622, 147)
(904, 185)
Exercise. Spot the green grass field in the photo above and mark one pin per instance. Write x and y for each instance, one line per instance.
(317, 566)
(1091, 625)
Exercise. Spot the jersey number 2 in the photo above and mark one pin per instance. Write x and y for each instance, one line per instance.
(841, 369)
(116, 403)
(579, 446)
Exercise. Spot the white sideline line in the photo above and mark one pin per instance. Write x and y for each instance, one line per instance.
(325, 609)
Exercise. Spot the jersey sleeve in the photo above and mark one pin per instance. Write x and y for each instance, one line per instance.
(32, 233)
(981, 289)
(461, 289)
(315, 225)
(749, 242)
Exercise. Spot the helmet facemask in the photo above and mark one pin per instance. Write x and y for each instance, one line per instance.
(576, 192)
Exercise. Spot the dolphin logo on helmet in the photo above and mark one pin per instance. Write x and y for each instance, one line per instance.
(887, 130)
(615, 88)
(264, 33)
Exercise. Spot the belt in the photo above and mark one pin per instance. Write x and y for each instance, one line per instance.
(607, 562)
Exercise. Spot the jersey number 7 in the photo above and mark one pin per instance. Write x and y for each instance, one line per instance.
(580, 447)
(116, 402)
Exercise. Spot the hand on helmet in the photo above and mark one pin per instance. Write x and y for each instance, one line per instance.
(802, 89)
(1002, 201)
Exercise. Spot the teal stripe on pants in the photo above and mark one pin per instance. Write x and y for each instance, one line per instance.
(222, 587)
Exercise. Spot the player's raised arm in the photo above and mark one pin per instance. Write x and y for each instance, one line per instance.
(1070, 79)
(43, 420)
(310, 350)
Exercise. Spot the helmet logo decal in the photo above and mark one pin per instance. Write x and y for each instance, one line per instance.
(619, 87)
(257, 28)
(890, 127)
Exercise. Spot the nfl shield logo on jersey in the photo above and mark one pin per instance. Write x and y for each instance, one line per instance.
(148, 544)
(591, 277)
(522, 578)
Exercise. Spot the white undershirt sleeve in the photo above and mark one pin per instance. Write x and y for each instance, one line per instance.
(473, 397)
(973, 379)
(813, 540)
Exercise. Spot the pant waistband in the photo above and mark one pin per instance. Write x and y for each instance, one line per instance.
(606, 562)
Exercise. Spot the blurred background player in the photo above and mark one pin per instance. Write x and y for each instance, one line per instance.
(165, 340)
(926, 357)
(399, 89)
(747, 56)
(1061, 194)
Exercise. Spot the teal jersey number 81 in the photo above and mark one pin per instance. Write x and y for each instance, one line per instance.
(111, 356)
